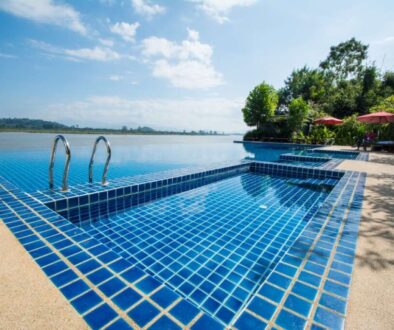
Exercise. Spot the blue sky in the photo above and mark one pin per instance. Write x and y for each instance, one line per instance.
(169, 64)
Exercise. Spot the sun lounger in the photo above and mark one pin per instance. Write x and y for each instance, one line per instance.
(383, 145)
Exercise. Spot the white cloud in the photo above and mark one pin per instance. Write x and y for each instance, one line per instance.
(8, 56)
(188, 74)
(115, 77)
(106, 42)
(95, 54)
(125, 30)
(384, 41)
(219, 9)
(45, 11)
(108, 2)
(145, 8)
(186, 64)
(191, 114)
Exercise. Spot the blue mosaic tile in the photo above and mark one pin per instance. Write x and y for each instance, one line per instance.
(127, 298)
(184, 312)
(86, 301)
(298, 305)
(271, 292)
(100, 316)
(333, 303)
(206, 323)
(64, 278)
(335, 288)
(249, 322)
(112, 286)
(262, 308)
(99, 276)
(304, 291)
(148, 284)
(329, 319)
(143, 313)
(289, 320)
(133, 274)
(119, 325)
(164, 297)
(164, 323)
(74, 289)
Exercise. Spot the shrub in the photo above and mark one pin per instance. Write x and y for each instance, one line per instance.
(319, 135)
(349, 131)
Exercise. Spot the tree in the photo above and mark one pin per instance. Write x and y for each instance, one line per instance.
(387, 85)
(342, 101)
(345, 60)
(309, 84)
(386, 105)
(260, 105)
(298, 113)
(369, 95)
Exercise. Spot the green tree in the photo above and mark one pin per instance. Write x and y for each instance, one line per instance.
(345, 60)
(260, 105)
(369, 94)
(309, 84)
(298, 113)
(342, 101)
(387, 85)
(386, 105)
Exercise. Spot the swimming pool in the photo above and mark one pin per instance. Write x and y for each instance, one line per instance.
(24, 157)
(248, 244)
(214, 244)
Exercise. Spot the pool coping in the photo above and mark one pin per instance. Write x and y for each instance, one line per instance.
(41, 231)
(289, 144)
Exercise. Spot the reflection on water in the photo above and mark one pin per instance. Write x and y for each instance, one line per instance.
(24, 157)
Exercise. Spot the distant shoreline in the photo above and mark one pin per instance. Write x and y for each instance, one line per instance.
(28, 125)
(112, 132)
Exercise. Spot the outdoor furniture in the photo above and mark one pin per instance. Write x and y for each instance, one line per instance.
(383, 145)
(328, 121)
(377, 118)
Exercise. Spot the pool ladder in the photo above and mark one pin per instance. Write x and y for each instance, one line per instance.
(104, 181)
(66, 165)
(67, 149)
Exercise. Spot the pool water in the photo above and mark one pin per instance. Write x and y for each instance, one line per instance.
(339, 155)
(215, 244)
(24, 157)
(300, 163)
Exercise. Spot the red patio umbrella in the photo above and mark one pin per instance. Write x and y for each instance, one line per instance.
(328, 121)
(377, 118)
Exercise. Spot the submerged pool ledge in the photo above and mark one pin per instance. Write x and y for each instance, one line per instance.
(309, 286)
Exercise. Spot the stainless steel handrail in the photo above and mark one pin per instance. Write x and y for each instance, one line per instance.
(66, 165)
(104, 181)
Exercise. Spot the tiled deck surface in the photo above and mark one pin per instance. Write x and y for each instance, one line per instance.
(27, 299)
(372, 289)
(310, 287)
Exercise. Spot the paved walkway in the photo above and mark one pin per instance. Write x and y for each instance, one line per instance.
(27, 299)
(371, 302)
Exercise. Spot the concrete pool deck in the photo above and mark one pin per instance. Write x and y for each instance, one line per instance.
(29, 300)
(372, 291)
